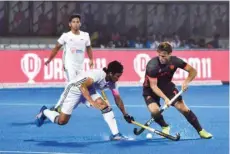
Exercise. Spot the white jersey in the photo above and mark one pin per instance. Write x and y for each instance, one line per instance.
(74, 49)
(98, 76)
(72, 96)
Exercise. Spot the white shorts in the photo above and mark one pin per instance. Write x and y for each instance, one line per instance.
(72, 97)
(71, 74)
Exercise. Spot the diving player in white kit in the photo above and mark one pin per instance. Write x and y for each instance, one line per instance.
(83, 90)
(75, 42)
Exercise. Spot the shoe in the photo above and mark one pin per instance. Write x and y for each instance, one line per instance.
(40, 118)
(118, 137)
(204, 134)
(166, 130)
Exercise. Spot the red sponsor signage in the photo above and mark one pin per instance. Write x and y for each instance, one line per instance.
(28, 66)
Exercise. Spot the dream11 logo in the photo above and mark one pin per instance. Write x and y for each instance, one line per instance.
(140, 62)
(31, 65)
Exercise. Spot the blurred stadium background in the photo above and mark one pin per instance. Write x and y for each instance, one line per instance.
(187, 25)
(131, 29)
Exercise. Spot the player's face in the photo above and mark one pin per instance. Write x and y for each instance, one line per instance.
(163, 57)
(115, 77)
(75, 24)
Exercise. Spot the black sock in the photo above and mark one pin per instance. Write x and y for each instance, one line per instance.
(192, 119)
(160, 120)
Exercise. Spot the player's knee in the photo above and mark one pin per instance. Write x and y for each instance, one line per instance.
(62, 122)
(102, 104)
(153, 108)
(182, 107)
(99, 101)
(185, 111)
(106, 110)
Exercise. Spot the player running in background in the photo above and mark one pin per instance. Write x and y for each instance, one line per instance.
(158, 84)
(75, 42)
(83, 90)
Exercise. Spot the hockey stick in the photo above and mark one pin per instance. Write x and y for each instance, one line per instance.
(173, 138)
(138, 132)
(105, 97)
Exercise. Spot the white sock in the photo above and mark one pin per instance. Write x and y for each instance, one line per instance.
(51, 114)
(111, 121)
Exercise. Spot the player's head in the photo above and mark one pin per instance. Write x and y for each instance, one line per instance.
(75, 22)
(164, 51)
(114, 71)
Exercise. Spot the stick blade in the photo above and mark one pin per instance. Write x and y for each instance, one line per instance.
(171, 137)
(138, 132)
(177, 138)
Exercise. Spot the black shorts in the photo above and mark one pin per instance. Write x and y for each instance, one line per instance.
(170, 91)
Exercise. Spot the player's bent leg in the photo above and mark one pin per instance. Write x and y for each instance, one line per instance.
(58, 105)
(53, 116)
(69, 101)
(66, 110)
(154, 108)
(101, 104)
(189, 115)
(191, 118)
(109, 118)
(62, 119)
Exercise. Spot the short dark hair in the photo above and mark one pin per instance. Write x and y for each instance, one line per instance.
(114, 67)
(164, 46)
(74, 16)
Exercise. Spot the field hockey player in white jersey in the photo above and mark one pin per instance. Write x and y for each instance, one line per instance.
(74, 43)
(83, 90)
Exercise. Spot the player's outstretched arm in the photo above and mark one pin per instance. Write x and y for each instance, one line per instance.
(53, 53)
(121, 106)
(191, 75)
